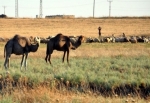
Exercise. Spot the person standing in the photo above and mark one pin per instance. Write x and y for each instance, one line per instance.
(99, 33)
(99, 29)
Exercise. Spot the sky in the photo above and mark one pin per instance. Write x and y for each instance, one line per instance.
(79, 8)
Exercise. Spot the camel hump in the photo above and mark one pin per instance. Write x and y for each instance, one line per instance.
(23, 41)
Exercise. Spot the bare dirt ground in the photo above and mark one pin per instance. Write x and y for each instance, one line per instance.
(86, 27)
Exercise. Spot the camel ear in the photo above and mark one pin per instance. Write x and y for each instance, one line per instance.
(31, 38)
(38, 38)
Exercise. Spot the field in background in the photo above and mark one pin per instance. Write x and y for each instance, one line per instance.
(86, 27)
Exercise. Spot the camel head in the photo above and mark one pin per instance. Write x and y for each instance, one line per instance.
(79, 41)
(81, 38)
(37, 40)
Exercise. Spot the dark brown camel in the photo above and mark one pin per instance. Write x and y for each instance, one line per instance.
(61, 43)
(20, 46)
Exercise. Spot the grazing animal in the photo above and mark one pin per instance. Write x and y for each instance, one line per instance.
(145, 40)
(61, 43)
(126, 39)
(89, 40)
(19, 45)
(108, 39)
(123, 38)
(133, 39)
(140, 39)
(96, 40)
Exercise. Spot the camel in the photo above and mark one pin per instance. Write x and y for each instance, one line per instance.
(62, 43)
(19, 45)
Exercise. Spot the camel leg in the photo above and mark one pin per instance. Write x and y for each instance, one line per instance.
(6, 62)
(25, 61)
(68, 56)
(22, 62)
(64, 56)
(49, 58)
(46, 57)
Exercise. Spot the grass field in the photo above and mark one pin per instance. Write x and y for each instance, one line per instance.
(86, 27)
(115, 70)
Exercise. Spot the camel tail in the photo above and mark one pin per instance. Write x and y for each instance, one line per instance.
(4, 51)
(47, 49)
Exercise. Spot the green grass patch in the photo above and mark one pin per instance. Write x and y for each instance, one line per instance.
(110, 70)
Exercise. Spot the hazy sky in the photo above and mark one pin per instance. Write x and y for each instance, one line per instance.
(79, 8)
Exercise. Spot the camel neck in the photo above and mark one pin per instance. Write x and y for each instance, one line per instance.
(34, 47)
(77, 44)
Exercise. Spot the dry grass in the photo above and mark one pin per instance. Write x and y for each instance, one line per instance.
(45, 95)
(93, 50)
(86, 27)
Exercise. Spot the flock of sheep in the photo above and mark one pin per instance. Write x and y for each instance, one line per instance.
(123, 38)
(109, 39)
(101, 39)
